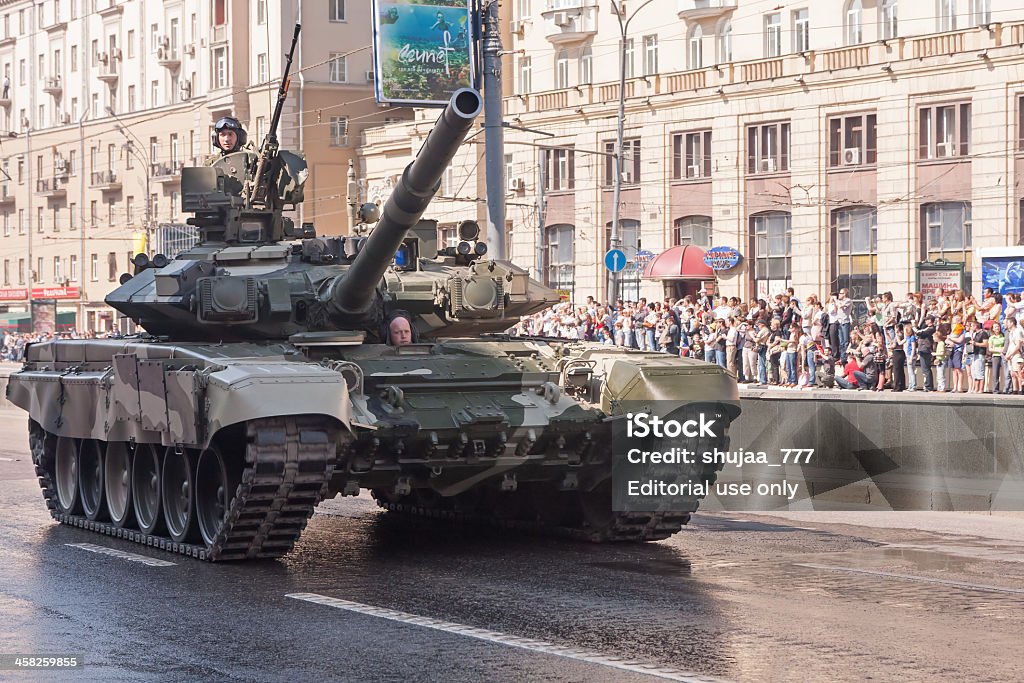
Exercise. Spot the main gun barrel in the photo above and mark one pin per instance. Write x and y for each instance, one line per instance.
(352, 293)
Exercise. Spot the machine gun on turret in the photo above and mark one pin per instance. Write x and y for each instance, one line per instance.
(269, 149)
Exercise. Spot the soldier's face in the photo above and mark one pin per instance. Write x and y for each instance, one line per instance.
(401, 332)
(227, 139)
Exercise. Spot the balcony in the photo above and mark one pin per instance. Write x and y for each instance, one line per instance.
(112, 8)
(56, 26)
(105, 181)
(5, 102)
(6, 197)
(51, 187)
(166, 172)
(569, 21)
(692, 10)
(9, 40)
(219, 34)
(108, 69)
(168, 58)
(53, 86)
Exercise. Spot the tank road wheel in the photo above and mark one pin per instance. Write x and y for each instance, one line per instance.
(215, 487)
(146, 488)
(179, 495)
(66, 474)
(117, 478)
(90, 479)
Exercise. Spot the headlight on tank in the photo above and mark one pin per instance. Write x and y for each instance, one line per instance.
(476, 296)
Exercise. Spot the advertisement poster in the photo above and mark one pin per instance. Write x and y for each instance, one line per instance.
(423, 50)
(934, 278)
(1004, 274)
(44, 316)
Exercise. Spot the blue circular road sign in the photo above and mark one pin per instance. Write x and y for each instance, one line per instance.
(615, 260)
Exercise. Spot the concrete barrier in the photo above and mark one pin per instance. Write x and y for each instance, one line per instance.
(925, 451)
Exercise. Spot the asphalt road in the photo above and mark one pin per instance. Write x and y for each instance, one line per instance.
(829, 597)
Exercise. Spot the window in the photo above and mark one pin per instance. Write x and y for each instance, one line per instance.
(650, 55)
(74, 58)
(40, 274)
(261, 128)
(854, 27)
(21, 271)
(220, 12)
(561, 260)
(630, 162)
(21, 72)
(447, 188)
(944, 131)
(130, 209)
(112, 266)
(131, 44)
(773, 35)
(337, 10)
(559, 168)
(154, 94)
(630, 53)
(58, 270)
(695, 48)
(94, 52)
(768, 148)
(562, 69)
(695, 230)
(261, 12)
(7, 224)
(525, 75)
(981, 12)
(855, 250)
(95, 111)
(73, 268)
(801, 30)
(1020, 123)
(94, 267)
(771, 246)
(586, 66)
(72, 161)
(93, 213)
(220, 68)
(72, 216)
(888, 18)
(852, 140)
(131, 98)
(7, 269)
(725, 43)
(524, 8)
(39, 219)
(175, 149)
(691, 155)
(74, 108)
(946, 232)
(947, 15)
(338, 68)
(339, 131)
(22, 227)
(154, 207)
(129, 158)
(262, 74)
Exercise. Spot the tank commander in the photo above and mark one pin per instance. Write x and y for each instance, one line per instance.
(399, 329)
(229, 136)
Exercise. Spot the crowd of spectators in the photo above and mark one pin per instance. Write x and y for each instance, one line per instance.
(14, 343)
(949, 343)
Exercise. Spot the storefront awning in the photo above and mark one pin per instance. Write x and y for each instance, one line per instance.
(679, 263)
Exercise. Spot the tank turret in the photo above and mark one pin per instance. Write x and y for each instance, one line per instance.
(254, 275)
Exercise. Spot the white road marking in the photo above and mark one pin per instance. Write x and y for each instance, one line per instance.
(131, 557)
(9, 459)
(911, 577)
(531, 644)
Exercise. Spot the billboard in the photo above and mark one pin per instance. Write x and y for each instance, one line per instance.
(1004, 274)
(422, 50)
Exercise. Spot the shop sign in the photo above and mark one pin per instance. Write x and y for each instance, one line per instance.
(55, 292)
(10, 294)
(721, 258)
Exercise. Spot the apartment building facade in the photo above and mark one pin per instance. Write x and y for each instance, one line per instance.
(103, 102)
(832, 144)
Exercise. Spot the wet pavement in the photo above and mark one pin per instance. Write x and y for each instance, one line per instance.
(734, 597)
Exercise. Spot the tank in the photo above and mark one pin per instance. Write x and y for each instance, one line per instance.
(265, 383)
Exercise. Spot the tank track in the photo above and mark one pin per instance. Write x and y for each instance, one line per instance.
(288, 465)
(614, 527)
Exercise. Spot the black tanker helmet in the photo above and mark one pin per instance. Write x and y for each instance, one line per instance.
(230, 123)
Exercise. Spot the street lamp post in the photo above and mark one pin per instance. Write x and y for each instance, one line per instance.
(615, 239)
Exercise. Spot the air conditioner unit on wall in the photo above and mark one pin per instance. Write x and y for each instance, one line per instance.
(693, 171)
(516, 184)
(561, 19)
(769, 165)
(851, 156)
(371, 75)
(518, 28)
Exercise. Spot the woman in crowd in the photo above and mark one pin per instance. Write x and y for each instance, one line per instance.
(959, 362)
(977, 348)
(996, 346)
